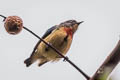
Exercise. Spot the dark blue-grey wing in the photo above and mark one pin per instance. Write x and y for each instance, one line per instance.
(44, 36)
(48, 32)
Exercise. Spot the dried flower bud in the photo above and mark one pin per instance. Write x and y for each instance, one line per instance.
(13, 24)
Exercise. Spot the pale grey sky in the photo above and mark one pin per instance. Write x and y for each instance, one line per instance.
(92, 43)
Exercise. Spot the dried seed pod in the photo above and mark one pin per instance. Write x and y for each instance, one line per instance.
(13, 24)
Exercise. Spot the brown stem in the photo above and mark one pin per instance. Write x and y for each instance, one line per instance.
(59, 53)
(108, 65)
(3, 17)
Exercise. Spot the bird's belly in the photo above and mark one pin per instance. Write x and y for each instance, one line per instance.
(57, 41)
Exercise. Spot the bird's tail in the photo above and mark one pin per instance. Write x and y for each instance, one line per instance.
(28, 62)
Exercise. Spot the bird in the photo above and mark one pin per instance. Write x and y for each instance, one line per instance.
(59, 36)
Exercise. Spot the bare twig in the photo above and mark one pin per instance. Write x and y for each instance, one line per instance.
(108, 65)
(3, 17)
(58, 52)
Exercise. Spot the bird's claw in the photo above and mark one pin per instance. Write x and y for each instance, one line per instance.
(65, 59)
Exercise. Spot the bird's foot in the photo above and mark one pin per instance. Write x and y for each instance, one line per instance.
(65, 59)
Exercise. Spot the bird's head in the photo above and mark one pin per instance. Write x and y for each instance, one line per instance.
(72, 25)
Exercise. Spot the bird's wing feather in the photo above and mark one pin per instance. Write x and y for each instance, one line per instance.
(49, 31)
(43, 37)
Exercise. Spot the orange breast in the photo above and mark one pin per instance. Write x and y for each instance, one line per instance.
(69, 31)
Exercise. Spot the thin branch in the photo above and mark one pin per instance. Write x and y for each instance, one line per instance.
(108, 65)
(58, 52)
(3, 17)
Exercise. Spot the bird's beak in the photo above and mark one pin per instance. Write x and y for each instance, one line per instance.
(80, 22)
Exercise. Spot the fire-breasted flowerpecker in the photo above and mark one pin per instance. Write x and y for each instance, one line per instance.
(60, 36)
